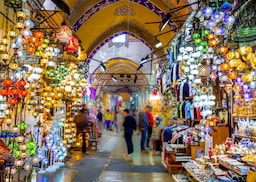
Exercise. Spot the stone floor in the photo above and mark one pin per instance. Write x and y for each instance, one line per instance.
(108, 165)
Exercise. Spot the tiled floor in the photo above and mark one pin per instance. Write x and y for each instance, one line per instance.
(108, 165)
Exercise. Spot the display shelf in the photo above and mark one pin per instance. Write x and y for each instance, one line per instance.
(231, 169)
(192, 175)
(180, 176)
(243, 136)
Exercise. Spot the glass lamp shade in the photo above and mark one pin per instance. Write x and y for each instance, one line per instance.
(23, 147)
(21, 14)
(203, 70)
(39, 35)
(232, 55)
(232, 75)
(235, 62)
(229, 20)
(217, 17)
(223, 50)
(247, 77)
(241, 66)
(26, 33)
(5, 56)
(64, 34)
(220, 31)
(244, 50)
(19, 25)
(208, 11)
(225, 67)
(210, 24)
(18, 163)
(28, 23)
(73, 44)
(213, 42)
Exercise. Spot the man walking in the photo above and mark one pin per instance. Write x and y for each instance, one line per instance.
(143, 125)
(100, 117)
(129, 125)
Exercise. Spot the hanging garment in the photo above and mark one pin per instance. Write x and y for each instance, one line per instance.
(188, 110)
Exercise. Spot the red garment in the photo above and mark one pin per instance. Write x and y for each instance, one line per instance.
(198, 113)
(150, 119)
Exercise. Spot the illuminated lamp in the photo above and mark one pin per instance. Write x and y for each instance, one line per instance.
(217, 17)
(244, 50)
(28, 23)
(15, 91)
(37, 44)
(12, 33)
(26, 33)
(196, 35)
(22, 125)
(33, 39)
(206, 32)
(232, 75)
(31, 145)
(225, 67)
(21, 53)
(229, 20)
(31, 49)
(2, 48)
(213, 42)
(226, 7)
(21, 14)
(13, 101)
(19, 25)
(23, 147)
(13, 66)
(24, 93)
(204, 70)
(210, 24)
(208, 11)
(27, 167)
(211, 36)
(36, 160)
(64, 34)
(44, 46)
(245, 87)
(44, 61)
(21, 83)
(223, 50)
(18, 163)
(231, 55)
(39, 35)
(5, 40)
(235, 62)
(46, 40)
(247, 77)
(219, 31)
(73, 44)
(5, 56)
(7, 83)
(48, 88)
(8, 121)
(248, 57)
(198, 40)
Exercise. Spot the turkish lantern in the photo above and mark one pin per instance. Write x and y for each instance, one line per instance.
(64, 34)
(21, 83)
(33, 39)
(31, 49)
(232, 75)
(7, 83)
(247, 77)
(15, 91)
(24, 93)
(223, 50)
(37, 44)
(213, 42)
(73, 44)
(211, 36)
(225, 67)
(13, 101)
(3, 92)
(235, 62)
(241, 66)
(39, 35)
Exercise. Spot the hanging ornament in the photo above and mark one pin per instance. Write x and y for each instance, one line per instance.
(64, 34)
(213, 76)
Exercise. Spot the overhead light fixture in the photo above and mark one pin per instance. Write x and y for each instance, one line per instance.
(103, 68)
(138, 69)
(113, 78)
(165, 21)
(135, 79)
(158, 43)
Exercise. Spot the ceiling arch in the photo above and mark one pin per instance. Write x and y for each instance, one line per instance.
(93, 26)
(118, 67)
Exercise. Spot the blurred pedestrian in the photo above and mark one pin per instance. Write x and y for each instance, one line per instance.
(108, 117)
(150, 125)
(143, 126)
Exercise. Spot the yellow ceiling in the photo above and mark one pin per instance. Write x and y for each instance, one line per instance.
(105, 19)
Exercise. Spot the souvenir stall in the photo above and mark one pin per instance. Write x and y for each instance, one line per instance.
(43, 75)
(212, 74)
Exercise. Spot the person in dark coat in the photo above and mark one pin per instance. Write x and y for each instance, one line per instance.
(128, 125)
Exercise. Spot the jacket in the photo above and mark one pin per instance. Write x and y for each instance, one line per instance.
(128, 124)
(143, 120)
(150, 119)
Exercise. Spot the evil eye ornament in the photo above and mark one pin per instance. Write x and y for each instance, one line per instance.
(219, 31)
(207, 12)
(229, 20)
(217, 17)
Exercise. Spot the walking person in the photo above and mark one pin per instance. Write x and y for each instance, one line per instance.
(119, 121)
(143, 126)
(81, 126)
(150, 125)
(108, 117)
(129, 125)
(100, 118)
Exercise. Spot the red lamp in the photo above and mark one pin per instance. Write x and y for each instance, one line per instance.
(13, 101)
(73, 44)
(7, 83)
(39, 35)
(3, 92)
(21, 83)
(23, 93)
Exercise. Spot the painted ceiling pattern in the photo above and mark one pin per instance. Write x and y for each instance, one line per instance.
(124, 11)
(99, 6)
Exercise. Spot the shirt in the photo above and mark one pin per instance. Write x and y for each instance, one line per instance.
(187, 110)
(108, 116)
(128, 122)
(99, 116)
(143, 120)
(150, 119)
(178, 109)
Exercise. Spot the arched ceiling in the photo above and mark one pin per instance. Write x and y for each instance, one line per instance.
(117, 67)
(91, 19)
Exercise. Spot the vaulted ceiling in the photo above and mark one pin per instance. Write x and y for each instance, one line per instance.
(94, 21)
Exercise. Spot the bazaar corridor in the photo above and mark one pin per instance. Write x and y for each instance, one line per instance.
(108, 165)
